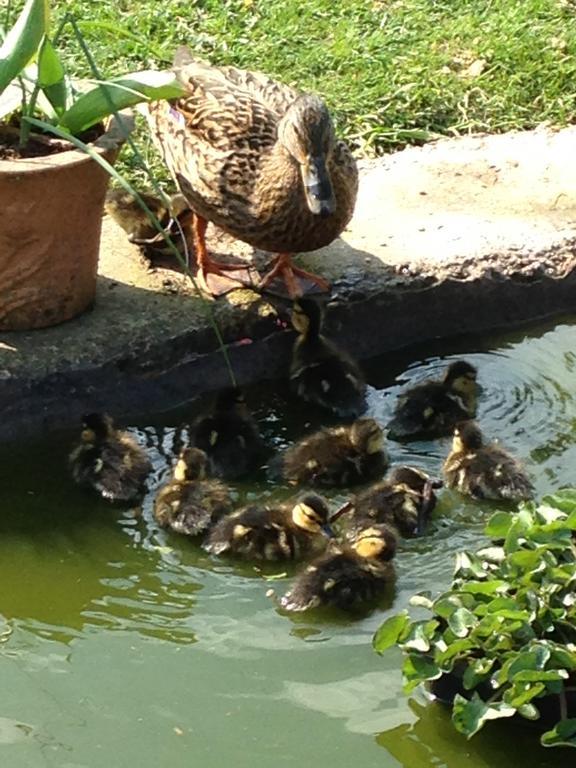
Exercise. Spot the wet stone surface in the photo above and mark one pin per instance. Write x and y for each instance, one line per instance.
(458, 236)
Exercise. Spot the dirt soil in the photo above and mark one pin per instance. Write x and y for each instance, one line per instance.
(459, 236)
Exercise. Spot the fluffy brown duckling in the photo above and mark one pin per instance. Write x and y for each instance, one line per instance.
(229, 436)
(282, 532)
(346, 576)
(433, 408)
(124, 208)
(109, 461)
(321, 373)
(404, 499)
(337, 456)
(189, 503)
(484, 471)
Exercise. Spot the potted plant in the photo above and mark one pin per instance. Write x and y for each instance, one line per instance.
(501, 642)
(52, 189)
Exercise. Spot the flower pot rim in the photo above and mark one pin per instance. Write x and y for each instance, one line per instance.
(112, 139)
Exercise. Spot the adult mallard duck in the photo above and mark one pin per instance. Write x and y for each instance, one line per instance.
(336, 456)
(109, 461)
(404, 499)
(189, 502)
(229, 436)
(258, 159)
(346, 576)
(484, 470)
(276, 532)
(321, 372)
(432, 409)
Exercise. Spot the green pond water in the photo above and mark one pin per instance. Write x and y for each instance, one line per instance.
(122, 646)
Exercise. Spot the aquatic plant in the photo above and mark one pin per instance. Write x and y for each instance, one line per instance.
(501, 641)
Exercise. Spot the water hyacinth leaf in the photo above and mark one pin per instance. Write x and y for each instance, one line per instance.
(461, 621)
(390, 631)
(417, 639)
(499, 525)
(468, 565)
(118, 94)
(563, 734)
(422, 600)
(477, 672)
(562, 657)
(491, 555)
(522, 693)
(52, 77)
(416, 669)
(485, 587)
(522, 522)
(456, 648)
(469, 715)
(539, 675)
(23, 40)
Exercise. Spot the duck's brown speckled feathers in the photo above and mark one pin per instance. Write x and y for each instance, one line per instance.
(432, 409)
(273, 532)
(229, 436)
(343, 577)
(220, 143)
(336, 456)
(404, 499)
(484, 471)
(109, 461)
(321, 372)
(189, 503)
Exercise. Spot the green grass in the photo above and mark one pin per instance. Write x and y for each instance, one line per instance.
(392, 71)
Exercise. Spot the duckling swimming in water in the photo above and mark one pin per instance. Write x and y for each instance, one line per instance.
(484, 471)
(404, 499)
(320, 372)
(229, 436)
(337, 456)
(433, 408)
(189, 503)
(273, 532)
(109, 461)
(346, 576)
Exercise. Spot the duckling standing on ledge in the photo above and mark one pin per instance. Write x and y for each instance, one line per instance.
(190, 503)
(283, 532)
(229, 436)
(433, 408)
(124, 208)
(337, 456)
(258, 159)
(405, 499)
(320, 372)
(484, 471)
(346, 576)
(109, 461)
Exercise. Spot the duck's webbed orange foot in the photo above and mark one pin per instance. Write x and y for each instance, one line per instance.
(213, 277)
(289, 272)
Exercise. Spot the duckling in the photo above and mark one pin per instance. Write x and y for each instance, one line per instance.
(284, 532)
(346, 576)
(337, 456)
(124, 208)
(405, 499)
(432, 409)
(229, 436)
(484, 471)
(109, 461)
(320, 372)
(190, 503)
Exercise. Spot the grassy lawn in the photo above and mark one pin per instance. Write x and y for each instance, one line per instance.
(393, 71)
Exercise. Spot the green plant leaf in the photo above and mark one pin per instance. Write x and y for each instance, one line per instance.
(469, 715)
(23, 40)
(485, 587)
(390, 631)
(521, 693)
(499, 525)
(417, 669)
(477, 672)
(117, 94)
(417, 638)
(461, 621)
(563, 734)
(52, 77)
(422, 600)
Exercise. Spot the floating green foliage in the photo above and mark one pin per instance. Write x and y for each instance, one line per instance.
(506, 628)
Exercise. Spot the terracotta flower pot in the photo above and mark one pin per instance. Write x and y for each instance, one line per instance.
(50, 234)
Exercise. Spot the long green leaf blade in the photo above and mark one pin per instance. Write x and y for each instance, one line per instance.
(52, 77)
(118, 94)
(23, 40)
